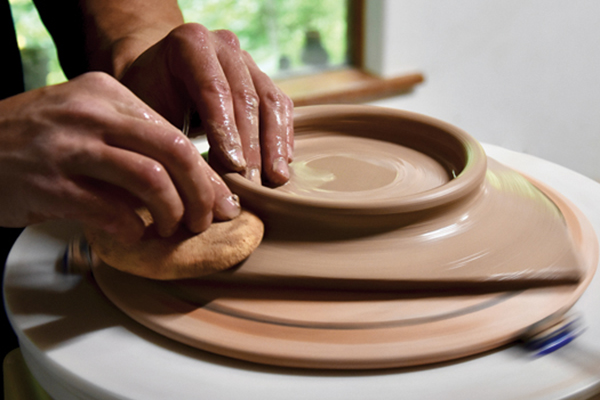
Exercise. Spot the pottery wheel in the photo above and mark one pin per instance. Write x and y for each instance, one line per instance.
(308, 321)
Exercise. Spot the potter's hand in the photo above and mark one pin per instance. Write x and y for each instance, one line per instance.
(90, 150)
(248, 120)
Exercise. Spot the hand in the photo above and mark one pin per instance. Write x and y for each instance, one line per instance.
(247, 118)
(92, 151)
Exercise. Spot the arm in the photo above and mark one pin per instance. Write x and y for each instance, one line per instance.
(96, 35)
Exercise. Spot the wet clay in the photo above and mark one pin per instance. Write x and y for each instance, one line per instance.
(366, 170)
(395, 243)
(345, 329)
(385, 200)
(360, 168)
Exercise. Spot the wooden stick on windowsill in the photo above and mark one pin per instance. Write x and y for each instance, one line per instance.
(345, 86)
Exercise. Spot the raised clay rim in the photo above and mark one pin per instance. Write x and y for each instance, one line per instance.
(471, 175)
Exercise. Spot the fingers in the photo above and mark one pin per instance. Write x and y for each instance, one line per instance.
(277, 136)
(144, 178)
(172, 178)
(139, 151)
(105, 207)
(247, 118)
(194, 60)
(227, 205)
(163, 169)
(245, 101)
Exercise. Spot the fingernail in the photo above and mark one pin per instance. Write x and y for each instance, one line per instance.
(236, 156)
(253, 175)
(229, 207)
(280, 167)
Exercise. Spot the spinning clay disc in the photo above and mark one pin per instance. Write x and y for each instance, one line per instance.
(382, 199)
(184, 254)
(396, 242)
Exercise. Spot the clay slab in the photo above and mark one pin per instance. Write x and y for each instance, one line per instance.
(346, 329)
(357, 294)
(386, 200)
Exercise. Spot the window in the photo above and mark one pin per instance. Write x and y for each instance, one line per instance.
(38, 53)
(285, 38)
(312, 48)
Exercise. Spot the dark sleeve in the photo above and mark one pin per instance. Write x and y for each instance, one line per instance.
(65, 22)
(11, 66)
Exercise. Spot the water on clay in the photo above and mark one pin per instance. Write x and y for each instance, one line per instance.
(361, 168)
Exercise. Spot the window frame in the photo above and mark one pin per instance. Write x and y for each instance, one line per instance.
(354, 83)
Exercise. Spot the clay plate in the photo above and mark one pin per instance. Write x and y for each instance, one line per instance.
(331, 287)
(383, 199)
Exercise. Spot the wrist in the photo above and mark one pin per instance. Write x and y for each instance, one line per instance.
(118, 33)
(125, 51)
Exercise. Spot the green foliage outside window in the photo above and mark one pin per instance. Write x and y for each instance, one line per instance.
(275, 32)
(283, 36)
(40, 62)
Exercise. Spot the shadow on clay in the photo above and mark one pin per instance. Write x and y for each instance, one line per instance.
(84, 309)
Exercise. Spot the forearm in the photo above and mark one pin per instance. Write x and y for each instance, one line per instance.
(118, 31)
(108, 34)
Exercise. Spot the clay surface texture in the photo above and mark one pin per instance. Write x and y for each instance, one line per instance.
(386, 201)
(396, 243)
